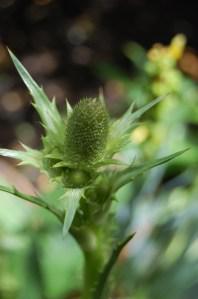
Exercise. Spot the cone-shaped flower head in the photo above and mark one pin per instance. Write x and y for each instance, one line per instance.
(86, 132)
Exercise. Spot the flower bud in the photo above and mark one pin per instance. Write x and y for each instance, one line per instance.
(86, 132)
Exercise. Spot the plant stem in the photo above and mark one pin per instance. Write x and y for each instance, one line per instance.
(36, 200)
(92, 245)
(98, 268)
(93, 265)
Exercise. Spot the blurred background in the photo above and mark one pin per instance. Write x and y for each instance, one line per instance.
(135, 50)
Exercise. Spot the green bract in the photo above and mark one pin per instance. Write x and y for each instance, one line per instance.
(77, 150)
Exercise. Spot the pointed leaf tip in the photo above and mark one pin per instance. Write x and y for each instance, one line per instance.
(136, 115)
(51, 119)
(130, 173)
(68, 108)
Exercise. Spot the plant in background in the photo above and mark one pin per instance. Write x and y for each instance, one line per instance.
(168, 244)
(79, 153)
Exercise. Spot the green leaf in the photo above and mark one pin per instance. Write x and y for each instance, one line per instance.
(70, 200)
(103, 278)
(27, 157)
(120, 129)
(47, 110)
(127, 175)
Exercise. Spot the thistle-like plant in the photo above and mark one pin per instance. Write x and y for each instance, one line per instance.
(78, 153)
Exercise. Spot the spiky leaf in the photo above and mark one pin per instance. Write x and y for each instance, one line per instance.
(127, 175)
(121, 128)
(47, 110)
(27, 157)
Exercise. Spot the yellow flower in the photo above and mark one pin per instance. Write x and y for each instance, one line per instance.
(174, 51)
(177, 46)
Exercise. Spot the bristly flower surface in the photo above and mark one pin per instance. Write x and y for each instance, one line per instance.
(86, 132)
(77, 151)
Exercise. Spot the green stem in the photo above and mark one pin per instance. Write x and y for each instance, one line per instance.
(36, 200)
(93, 265)
(92, 244)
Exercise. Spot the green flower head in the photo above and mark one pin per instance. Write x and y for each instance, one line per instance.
(86, 132)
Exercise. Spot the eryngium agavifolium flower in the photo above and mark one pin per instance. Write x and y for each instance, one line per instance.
(85, 141)
(86, 132)
(78, 152)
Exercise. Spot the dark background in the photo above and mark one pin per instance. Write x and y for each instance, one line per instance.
(61, 42)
